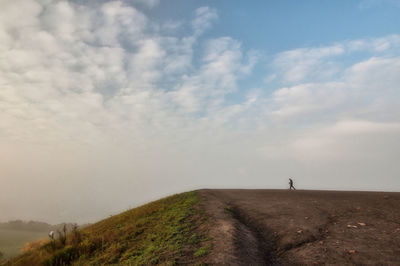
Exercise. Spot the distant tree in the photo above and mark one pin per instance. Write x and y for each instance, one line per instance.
(26, 226)
(1, 255)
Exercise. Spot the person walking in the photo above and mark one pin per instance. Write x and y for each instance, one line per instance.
(291, 184)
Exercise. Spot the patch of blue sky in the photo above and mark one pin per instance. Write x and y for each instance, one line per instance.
(276, 26)
(272, 27)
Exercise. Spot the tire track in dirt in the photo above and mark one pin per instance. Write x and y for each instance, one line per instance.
(235, 242)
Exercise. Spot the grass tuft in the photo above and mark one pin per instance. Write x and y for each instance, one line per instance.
(202, 251)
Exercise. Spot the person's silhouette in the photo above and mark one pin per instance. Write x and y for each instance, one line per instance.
(291, 184)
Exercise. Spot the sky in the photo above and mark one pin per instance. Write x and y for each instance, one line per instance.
(106, 105)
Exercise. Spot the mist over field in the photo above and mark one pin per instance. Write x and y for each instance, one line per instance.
(105, 105)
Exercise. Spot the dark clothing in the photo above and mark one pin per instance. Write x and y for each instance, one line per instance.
(291, 184)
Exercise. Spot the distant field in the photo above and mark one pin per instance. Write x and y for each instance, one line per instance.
(12, 241)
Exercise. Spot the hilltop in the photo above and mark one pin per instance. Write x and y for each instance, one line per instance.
(282, 227)
(239, 227)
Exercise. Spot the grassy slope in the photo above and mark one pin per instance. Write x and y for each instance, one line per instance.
(167, 232)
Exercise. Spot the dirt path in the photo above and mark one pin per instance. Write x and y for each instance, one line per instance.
(281, 227)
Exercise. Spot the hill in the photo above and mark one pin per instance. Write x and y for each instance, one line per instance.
(239, 227)
(20, 225)
(167, 231)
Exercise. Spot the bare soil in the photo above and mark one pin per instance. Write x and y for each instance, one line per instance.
(282, 227)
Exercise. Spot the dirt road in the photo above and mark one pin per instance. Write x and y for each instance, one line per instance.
(282, 227)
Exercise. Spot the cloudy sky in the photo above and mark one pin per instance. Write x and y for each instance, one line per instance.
(105, 105)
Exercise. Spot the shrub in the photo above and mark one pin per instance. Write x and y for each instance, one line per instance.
(63, 257)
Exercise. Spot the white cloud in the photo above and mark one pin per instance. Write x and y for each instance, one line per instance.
(203, 20)
(321, 63)
(374, 44)
(223, 64)
(57, 18)
(12, 12)
(366, 89)
(363, 89)
(304, 100)
(297, 65)
(74, 67)
(376, 72)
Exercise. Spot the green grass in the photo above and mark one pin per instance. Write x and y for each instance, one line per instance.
(166, 232)
(12, 241)
(202, 251)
